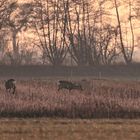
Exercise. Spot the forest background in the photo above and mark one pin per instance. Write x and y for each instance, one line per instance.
(69, 32)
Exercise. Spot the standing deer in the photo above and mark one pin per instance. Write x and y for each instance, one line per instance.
(10, 85)
(69, 85)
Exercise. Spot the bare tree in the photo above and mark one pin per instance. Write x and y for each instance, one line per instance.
(126, 51)
(50, 26)
(78, 26)
(4, 10)
(3, 45)
(91, 39)
(17, 20)
(137, 8)
(108, 44)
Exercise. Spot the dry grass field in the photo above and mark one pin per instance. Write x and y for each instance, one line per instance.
(105, 109)
(69, 129)
(99, 99)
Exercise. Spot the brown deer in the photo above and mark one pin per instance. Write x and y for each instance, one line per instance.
(69, 85)
(10, 85)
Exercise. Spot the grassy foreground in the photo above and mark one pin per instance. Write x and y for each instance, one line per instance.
(46, 109)
(67, 129)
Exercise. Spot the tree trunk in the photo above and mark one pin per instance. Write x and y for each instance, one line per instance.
(126, 58)
(15, 47)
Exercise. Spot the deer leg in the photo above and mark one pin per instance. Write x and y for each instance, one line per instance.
(59, 87)
(14, 89)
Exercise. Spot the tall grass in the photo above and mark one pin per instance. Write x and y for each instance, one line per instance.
(99, 99)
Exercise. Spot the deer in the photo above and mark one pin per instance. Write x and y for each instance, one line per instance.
(10, 85)
(69, 85)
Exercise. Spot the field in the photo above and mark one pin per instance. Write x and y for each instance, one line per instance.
(67, 129)
(99, 99)
(106, 109)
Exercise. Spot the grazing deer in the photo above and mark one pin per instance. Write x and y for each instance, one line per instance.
(69, 85)
(10, 85)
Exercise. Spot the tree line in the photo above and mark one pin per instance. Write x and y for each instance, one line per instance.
(84, 31)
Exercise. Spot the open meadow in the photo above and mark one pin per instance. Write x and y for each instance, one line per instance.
(99, 99)
(105, 109)
(69, 129)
